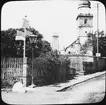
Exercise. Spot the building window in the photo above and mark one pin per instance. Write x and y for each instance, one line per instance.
(69, 52)
(85, 21)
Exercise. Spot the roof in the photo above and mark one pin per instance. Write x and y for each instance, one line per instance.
(84, 15)
(84, 3)
(75, 42)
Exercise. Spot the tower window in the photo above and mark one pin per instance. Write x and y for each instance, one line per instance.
(85, 21)
(85, 31)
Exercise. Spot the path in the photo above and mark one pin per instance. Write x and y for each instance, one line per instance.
(87, 92)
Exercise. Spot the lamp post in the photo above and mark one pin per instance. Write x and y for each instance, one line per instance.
(32, 39)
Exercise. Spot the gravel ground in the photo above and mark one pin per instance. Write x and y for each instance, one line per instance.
(88, 92)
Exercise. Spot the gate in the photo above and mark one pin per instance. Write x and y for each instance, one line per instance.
(12, 69)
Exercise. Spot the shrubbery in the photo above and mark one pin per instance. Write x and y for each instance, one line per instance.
(51, 68)
(5, 84)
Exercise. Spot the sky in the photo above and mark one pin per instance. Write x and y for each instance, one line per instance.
(50, 18)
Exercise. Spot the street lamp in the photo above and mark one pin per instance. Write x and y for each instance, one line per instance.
(32, 39)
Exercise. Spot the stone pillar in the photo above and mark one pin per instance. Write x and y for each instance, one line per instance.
(81, 72)
(55, 42)
(25, 71)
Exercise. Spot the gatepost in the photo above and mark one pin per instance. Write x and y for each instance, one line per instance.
(25, 71)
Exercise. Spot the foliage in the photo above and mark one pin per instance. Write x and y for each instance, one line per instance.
(102, 46)
(8, 43)
(51, 68)
(12, 48)
(92, 41)
(45, 47)
(5, 84)
(87, 45)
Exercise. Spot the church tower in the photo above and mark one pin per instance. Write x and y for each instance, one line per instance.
(84, 20)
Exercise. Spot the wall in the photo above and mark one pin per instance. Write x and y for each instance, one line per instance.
(96, 66)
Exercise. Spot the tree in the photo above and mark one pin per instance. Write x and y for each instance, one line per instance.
(102, 46)
(92, 42)
(87, 45)
(46, 47)
(12, 48)
(8, 43)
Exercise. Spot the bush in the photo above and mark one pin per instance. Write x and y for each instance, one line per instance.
(51, 68)
(72, 73)
(6, 84)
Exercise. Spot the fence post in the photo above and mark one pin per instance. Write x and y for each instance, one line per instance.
(25, 71)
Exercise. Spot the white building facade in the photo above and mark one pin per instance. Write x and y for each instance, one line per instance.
(85, 25)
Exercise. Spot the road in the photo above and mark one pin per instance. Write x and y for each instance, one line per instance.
(91, 91)
(88, 92)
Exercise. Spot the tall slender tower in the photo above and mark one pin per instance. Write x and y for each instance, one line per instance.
(55, 42)
(84, 21)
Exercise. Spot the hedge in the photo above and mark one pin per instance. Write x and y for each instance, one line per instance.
(51, 69)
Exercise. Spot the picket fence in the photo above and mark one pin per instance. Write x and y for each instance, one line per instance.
(12, 69)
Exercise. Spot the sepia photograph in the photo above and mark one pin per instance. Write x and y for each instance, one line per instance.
(53, 52)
